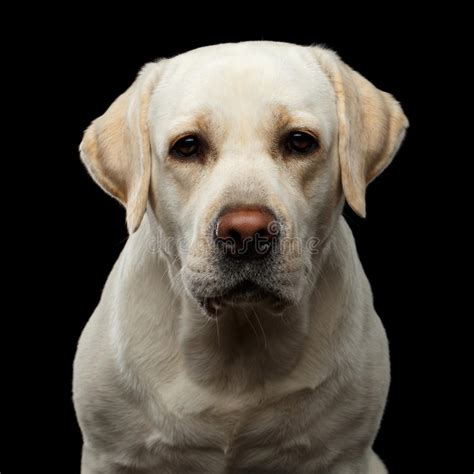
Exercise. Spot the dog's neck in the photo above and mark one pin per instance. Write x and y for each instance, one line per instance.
(245, 346)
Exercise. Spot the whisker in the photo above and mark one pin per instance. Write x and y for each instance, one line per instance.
(261, 327)
(285, 321)
(218, 334)
(253, 327)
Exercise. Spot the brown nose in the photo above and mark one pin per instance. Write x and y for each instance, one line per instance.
(246, 232)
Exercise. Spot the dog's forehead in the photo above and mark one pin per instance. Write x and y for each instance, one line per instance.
(243, 78)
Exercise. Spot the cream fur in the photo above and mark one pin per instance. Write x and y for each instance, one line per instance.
(159, 387)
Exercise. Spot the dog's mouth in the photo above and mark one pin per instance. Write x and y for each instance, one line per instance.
(247, 292)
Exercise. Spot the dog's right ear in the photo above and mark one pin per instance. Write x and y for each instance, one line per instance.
(116, 147)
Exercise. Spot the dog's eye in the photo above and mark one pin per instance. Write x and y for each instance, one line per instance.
(301, 142)
(186, 147)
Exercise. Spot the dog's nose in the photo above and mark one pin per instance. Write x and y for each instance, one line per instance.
(246, 232)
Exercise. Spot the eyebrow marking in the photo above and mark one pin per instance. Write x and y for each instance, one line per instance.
(281, 116)
(283, 121)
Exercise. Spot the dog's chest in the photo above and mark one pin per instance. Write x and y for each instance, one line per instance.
(247, 432)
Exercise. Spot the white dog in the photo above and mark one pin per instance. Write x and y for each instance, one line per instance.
(237, 333)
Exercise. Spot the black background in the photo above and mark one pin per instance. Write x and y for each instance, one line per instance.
(79, 231)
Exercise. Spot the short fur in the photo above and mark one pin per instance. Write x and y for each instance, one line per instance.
(294, 385)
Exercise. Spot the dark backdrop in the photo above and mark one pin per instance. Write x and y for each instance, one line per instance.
(78, 71)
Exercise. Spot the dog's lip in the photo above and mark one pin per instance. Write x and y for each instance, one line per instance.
(245, 292)
(243, 288)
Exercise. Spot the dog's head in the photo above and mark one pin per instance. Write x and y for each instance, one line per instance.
(244, 153)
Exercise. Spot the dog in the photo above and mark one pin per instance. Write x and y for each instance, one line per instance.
(236, 332)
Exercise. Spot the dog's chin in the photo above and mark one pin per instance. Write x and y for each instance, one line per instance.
(244, 294)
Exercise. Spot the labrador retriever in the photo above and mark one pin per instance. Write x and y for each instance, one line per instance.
(236, 333)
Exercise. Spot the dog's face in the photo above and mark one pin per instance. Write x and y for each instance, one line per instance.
(245, 152)
(245, 136)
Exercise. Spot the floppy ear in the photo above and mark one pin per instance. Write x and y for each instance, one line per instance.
(116, 147)
(372, 126)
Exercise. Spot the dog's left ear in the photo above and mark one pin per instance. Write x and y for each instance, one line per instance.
(372, 126)
(116, 147)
